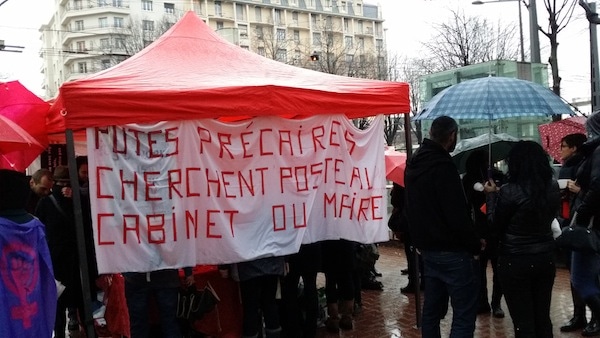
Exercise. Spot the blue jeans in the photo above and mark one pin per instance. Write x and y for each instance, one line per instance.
(137, 304)
(453, 275)
(585, 268)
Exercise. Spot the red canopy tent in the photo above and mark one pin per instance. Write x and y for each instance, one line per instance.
(190, 73)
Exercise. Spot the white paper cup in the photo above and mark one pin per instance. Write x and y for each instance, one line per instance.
(562, 183)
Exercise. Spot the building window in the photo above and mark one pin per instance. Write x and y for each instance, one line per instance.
(281, 55)
(344, 7)
(120, 43)
(243, 31)
(80, 46)
(82, 67)
(79, 25)
(360, 27)
(261, 51)
(328, 22)
(358, 9)
(146, 5)
(118, 22)
(313, 21)
(327, 3)
(104, 43)
(148, 25)
(316, 39)
(379, 45)
(349, 42)
(280, 34)
(240, 12)
(245, 47)
(278, 17)
(218, 8)
(329, 39)
(169, 8)
(297, 36)
(78, 4)
(102, 3)
(310, 3)
(361, 43)
(117, 3)
(346, 25)
(349, 58)
(220, 25)
(258, 14)
(103, 22)
(294, 2)
(295, 18)
(105, 64)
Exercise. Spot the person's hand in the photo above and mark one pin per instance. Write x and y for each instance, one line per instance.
(573, 186)
(490, 186)
(189, 280)
(67, 192)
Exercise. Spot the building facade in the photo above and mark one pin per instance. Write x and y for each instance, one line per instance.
(344, 37)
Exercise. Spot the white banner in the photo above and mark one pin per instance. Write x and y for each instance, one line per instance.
(182, 193)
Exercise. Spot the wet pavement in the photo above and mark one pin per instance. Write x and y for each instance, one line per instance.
(391, 314)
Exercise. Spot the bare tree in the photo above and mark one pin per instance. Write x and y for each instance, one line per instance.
(560, 13)
(140, 32)
(465, 40)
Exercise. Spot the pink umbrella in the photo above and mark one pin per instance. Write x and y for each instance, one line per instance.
(17, 147)
(395, 164)
(551, 133)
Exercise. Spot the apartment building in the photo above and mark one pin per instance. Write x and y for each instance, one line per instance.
(343, 37)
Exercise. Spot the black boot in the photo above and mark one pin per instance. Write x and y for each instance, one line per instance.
(594, 304)
(592, 328)
(578, 321)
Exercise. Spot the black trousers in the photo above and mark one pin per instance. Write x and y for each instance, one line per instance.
(527, 282)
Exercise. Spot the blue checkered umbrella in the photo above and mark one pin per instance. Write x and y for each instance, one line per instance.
(492, 98)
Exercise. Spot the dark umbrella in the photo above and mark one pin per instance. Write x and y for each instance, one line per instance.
(498, 145)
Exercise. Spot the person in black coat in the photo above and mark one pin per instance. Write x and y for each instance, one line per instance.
(56, 212)
(585, 267)
(476, 175)
(571, 160)
(441, 228)
(522, 212)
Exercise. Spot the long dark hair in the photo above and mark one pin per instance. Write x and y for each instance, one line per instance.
(529, 167)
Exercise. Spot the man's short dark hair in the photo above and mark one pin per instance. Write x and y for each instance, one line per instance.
(37, 176)
(441, 129)
(574, 140)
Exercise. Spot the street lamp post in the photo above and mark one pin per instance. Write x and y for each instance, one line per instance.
(533, 28)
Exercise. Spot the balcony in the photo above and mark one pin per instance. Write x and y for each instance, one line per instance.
(367, 31)
(78, 9)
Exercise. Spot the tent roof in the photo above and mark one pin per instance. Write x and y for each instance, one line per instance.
(190, 72)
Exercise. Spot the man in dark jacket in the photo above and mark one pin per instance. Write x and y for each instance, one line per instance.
(441, 228)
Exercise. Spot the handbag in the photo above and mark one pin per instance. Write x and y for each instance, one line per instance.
(580, 238)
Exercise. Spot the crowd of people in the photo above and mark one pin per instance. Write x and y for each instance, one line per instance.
(453, 226)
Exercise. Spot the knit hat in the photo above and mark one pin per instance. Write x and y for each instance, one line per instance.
(592, 125)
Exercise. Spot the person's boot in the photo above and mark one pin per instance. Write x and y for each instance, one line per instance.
(592, 329)
(578, 321)
(594, 303)
(332, 323)
(346, 309)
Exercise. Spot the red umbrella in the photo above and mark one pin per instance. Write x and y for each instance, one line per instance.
(551, 133)
(17, 147)
(26, 109)
(395, 164)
